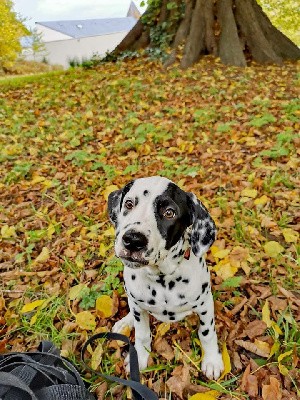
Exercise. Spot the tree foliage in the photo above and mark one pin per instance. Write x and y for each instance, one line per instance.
(11, 30)
(284, 14)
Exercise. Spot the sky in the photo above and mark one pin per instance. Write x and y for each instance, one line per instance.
(49, 10)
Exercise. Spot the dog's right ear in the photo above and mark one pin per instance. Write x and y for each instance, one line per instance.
(115, 200)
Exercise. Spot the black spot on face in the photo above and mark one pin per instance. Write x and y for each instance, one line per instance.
(153, 292)
(178, 279)
(181, 296)
(146, 192)
(204, 286)
(202, 303)
(151, 302)
(185, 280)
(198, 298)
(172, 229)
(202, 323)
(165, 312)
(205, 333)
(204, 313)
(133, 277)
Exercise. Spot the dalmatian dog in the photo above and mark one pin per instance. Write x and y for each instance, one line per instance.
(162, 234)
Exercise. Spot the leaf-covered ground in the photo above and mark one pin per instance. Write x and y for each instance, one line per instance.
(228, 135)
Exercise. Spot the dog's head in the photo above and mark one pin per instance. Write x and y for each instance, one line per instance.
(153, 216)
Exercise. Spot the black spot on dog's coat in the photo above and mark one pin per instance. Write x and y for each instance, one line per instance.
(205, 333)
(185, 280)
(171, 284)
(153, 292)
(152, 302)
(204, 286)
(133, 277)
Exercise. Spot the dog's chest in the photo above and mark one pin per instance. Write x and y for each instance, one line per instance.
(166, 297)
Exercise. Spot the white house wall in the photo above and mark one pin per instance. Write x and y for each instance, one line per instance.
(49, 35)
(62, 51)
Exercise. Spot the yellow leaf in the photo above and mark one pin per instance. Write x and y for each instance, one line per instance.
(103, 249)
(162, 329)
(221, 253)
(8, 232)
(109, 232)
(32, 306)
(283, 369)
(286, 354)
(97, 356)
(210, 395)
(252, 193)
(108, 190)
(224, 269)
(33, 319)
(104, 304)
(76, 290)
(86, 320)
(273, 249)
(274, 348)
(261, 201)
(263, 346)
(79, 262)
(50, 230)
(226, 361)
(290, 236)
(43, 256)
(266, 314)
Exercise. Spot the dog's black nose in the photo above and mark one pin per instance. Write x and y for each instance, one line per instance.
(134, 241)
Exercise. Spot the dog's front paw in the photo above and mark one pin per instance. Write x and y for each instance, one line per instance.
(142, 358)
(124, 323)
(212, 367)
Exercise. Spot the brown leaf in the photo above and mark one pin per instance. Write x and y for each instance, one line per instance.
(272, 391)
(180, 380)
(249, 382)
(163, 348)
(254, 329)
(253, 348)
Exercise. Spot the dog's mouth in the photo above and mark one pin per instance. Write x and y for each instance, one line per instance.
(133, 257)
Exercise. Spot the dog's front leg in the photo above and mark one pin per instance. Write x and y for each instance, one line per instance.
(212, 362)
(142, 336)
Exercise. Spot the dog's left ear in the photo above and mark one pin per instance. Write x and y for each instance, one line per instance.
(115, 200)
(204, 231)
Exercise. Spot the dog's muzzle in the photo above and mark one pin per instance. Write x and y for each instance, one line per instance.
(134, 245)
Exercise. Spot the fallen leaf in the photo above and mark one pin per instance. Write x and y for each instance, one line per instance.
(32, 306)
(209, 395)
(226, 361)
(8, 232)
(272, 391)
(163, 348)
(251, 193)
(43, 256)
(290, 236)
(255, 328)
(97, 356)
(180, 380)
(105, 306)
(273, 249)
(253, 348)
(261, 201)
(75, 291)
(86, 320)
(266, 315)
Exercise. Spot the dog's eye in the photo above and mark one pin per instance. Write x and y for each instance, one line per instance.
(129, 204)
(169, 213)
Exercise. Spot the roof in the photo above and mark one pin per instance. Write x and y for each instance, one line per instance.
(91, 27)
(133, 11)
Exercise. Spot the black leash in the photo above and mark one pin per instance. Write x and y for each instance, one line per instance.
(139, 391)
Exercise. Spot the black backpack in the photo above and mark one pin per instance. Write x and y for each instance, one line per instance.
(44, 375)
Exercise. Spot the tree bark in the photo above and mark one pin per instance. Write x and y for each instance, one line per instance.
(230, 47)
(235, 30)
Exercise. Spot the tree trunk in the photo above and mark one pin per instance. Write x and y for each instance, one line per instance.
(234, 30)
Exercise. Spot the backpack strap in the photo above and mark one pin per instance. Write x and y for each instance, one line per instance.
(139, 391)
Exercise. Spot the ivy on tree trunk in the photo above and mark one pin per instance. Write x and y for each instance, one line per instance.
(237, 31)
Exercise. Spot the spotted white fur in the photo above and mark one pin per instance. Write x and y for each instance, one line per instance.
(162, 277)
